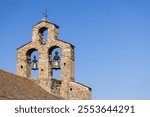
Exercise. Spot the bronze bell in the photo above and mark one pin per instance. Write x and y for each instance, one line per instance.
(34, 65)
(56, 61)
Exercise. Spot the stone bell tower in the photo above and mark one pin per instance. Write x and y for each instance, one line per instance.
(46, 63)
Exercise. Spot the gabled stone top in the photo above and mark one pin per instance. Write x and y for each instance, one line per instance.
(45, 20)
(23, 45)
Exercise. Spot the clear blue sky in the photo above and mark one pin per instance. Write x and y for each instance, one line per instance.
(112, 39)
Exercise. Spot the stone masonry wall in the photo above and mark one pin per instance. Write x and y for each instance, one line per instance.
(66, 87)
(79, 91)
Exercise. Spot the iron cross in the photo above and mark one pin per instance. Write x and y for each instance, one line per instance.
(45, 14)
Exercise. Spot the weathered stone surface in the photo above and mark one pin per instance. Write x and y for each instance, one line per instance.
(45, 78)
(79, 91)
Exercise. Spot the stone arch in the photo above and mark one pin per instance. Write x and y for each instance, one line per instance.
(29, 52)
(42, 29)
(29, 61)
(52, 48)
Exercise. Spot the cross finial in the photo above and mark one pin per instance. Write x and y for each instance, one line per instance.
(45, 13)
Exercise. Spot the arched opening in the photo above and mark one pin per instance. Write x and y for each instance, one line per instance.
(55, 56)
(43, 34)
(33, 60)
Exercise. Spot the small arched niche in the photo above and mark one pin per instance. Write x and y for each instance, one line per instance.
(32, 63)
(55, 54)
(43, 35)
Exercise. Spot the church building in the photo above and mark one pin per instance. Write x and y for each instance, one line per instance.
(54, 55)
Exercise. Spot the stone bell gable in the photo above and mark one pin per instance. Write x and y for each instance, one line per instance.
(66, 87)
